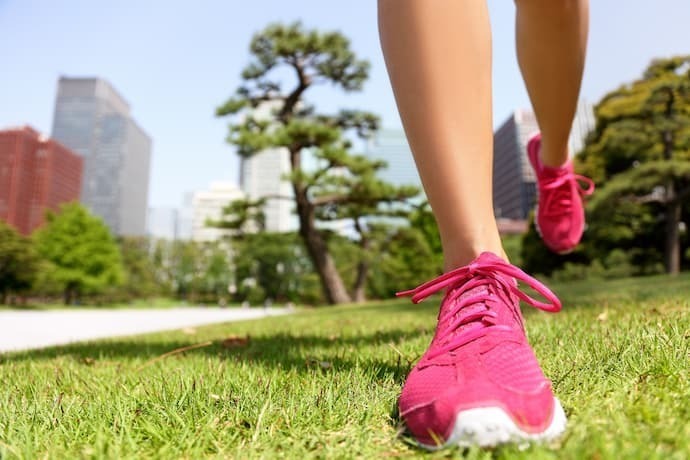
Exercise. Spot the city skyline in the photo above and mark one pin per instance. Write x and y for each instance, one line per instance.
(177, 64)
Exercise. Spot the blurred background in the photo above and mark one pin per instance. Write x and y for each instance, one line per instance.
(131, 109)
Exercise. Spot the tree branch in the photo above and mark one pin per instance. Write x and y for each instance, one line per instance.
(293, 98)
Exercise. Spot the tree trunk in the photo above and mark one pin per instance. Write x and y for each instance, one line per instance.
(359, 292)
(673, 203)
(672, 250)
(331, 282)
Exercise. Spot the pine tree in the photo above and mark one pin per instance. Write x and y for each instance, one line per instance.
(640, 153)
(343, 185)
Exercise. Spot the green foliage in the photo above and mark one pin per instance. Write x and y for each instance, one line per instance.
(18, 262)
(538, 259)
(274, 266)
(423, 220)
(242, 216)
(618, 264)
(139, 271)
(191, 271)
(639, 155)
(404, 260)
(81, 253)
(217, 274)
(327, 56)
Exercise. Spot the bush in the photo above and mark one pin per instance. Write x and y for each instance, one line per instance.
(618, 264)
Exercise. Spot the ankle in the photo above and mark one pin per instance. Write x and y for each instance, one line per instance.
(553, 157)
(461, 256)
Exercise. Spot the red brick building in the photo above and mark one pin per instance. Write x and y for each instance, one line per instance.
(36, 174)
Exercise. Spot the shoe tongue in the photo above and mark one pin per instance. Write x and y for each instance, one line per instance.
(487, 257)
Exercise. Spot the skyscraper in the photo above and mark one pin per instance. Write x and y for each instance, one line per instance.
(36, 174)
(391, 146)
(208, 205)
(262, 176)
(93, 119)
(513, 179)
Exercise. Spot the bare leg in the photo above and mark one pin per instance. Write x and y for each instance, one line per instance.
(551, 45)
(438, 55)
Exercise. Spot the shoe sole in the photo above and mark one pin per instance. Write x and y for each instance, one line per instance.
(562, 252)
(492, 426)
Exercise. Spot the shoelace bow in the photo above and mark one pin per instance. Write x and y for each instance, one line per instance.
(469, 277)
(560, 186)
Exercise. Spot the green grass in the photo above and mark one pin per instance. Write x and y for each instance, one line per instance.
(323, 384)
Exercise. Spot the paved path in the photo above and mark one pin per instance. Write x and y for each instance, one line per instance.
(20, 330)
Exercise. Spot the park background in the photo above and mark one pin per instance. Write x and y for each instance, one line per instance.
(322, 382)
(176, 66)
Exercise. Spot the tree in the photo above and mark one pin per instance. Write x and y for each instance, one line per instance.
(398, 252)
(184, 265)
(422, 218)
(18, 262)
(139, 271)
(640, 153)
(371, 199)
(217, 274)
(537, 258)
(81, 253)
(274, 266)
(341, 180)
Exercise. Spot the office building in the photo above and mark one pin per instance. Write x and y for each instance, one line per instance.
(208, 205)
(514, 189)
(93, 119)
(583, 123)
(263, 176)
(36, 174)
(390, 145)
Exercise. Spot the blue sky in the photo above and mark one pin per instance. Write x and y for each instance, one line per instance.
(176, 61)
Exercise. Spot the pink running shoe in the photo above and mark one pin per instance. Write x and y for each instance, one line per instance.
(560, 218)
(479, 382)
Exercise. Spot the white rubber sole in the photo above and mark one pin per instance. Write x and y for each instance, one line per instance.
(491, 426)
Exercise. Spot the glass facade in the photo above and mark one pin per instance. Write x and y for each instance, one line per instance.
(93, 120)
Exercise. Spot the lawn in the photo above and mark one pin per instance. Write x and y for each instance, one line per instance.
(323, 383)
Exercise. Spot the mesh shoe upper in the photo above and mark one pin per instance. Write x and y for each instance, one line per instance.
(560, 214)
(479, 356)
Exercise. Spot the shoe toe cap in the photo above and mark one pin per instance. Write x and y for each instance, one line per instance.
(431, 421)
